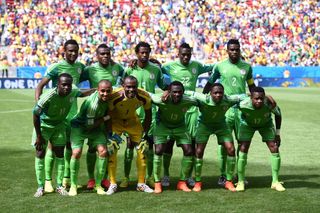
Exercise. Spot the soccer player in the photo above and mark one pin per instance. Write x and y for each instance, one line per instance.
(187, 72)
(105, 69)
(71, 66)
(49, 116)
(171, 123)
(88, 125)
(233, 74)
(255, 115)
(149, 76)
(212, 121)
(123, 105)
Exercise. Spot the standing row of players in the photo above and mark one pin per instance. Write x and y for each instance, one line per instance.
(178, 120)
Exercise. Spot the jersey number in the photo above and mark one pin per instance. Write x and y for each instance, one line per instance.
(234, 82)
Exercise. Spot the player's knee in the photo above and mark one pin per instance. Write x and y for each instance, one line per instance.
(40, 154)
(102, 152)
(76, 153)
(199, 153)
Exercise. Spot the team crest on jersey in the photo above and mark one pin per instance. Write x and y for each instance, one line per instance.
(152, 76)
(184, 109)
(114, 72)
(194, 71)
(79, 70)
(266, 114)
(242, 72)
(225, 108)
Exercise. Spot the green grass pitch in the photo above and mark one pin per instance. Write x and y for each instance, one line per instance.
(300, 167)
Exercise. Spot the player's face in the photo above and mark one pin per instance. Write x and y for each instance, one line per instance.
(257, 99)
(143, 54)
(130, 88)
(185, 56)
(233, 51)
(104, 91)
(176, 93)
(71, 53)
(64, 86)
(217, 94)
(104, 56)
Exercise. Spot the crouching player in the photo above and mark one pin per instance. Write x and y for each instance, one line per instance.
(255, 115)
(88, 125)
(123, 105)
(49, 117)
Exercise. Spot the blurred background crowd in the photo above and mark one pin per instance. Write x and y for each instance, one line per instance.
(271, 32)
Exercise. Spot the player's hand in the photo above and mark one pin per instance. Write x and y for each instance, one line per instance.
(165, 96)
(271, 101)
(39, 143)
(143, 146)
(133, 63)
(278, 140)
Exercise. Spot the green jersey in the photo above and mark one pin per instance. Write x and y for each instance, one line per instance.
(232, 76)
(75, 70)
(172, 115)
(91, 109)
(53, 108)
(187, 75)
(96, 73)
(148, 77)
(256, 117)
(212, 113)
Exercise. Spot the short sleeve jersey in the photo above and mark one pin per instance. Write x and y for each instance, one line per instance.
(148, 77)
(232, 76)
(91, 109)
(124, 108)
(53, 108)
(63, 66)
(187, 75)
(96, 73)
(256, 117)
(172, 115)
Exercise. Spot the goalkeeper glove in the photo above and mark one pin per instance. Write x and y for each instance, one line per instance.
(115, 137)
(143, 146)
(111, 146)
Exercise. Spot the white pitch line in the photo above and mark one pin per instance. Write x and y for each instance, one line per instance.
(13, 111)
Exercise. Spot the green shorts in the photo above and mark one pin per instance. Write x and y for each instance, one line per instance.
(56, 135)
(221, 130)
(191, 120)
(95, 137)
(180, 134)
(246, 132)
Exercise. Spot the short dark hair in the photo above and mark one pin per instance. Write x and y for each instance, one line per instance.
(102, 46)
(257, 89)
(233, 41)
(70, 41)
(176, 83)
(185, 45)
(142, 44)
(217, 85)
(64, 75)
(105, 81)
(131, 78)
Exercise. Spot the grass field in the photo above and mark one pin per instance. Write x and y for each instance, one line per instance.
(300, 168)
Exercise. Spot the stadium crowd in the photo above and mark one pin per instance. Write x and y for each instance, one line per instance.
(272, 32)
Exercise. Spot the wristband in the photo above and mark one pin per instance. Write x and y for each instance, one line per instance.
(105, 118)
(277, 131)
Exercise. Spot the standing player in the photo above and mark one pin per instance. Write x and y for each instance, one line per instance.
(212, 121)
(49, 116)
(255, 115)
(171, 123)
(123, 105)
(187, 72)
(104, 69)
(88, 125)
(233, 74)
(149, 76)
(71, 66)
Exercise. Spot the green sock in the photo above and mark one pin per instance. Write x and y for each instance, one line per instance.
(67, 157)
(128, 156)
(275, 166)
(91, 161)
(101, 170)
(191, 168)
(231, 163)
(150, 155)
(242, 162)
(157, 164)
(198, 169)
(39, 167)
(166, 163)
(60, 170)
(74, 169)
(186, 165)
(222, 159)
(48, 164)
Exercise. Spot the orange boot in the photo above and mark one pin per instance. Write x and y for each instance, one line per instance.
(182, 185)
(157, 187)
(229, 186)
(197, 187)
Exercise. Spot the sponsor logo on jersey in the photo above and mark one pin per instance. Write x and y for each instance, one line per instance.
(114, 73)
(194, 70)
(152, 76)
(243, 72)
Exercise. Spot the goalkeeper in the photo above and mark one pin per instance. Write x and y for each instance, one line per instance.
(88, 125)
